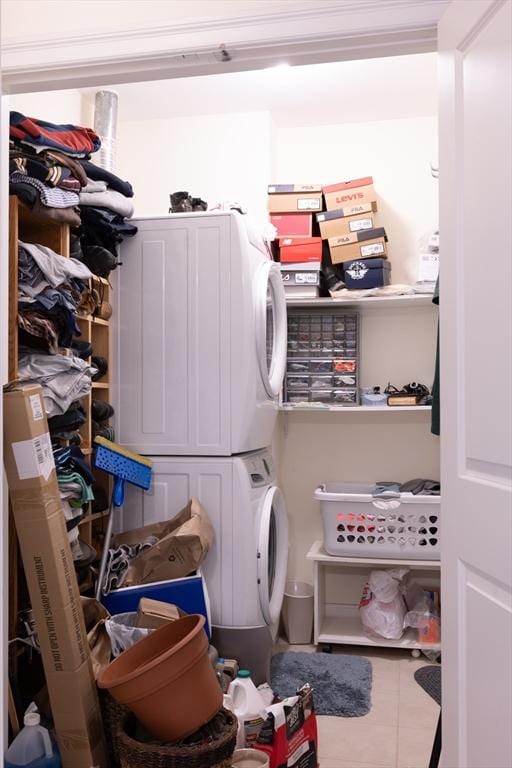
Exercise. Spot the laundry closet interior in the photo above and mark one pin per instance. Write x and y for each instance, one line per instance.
(209, 330)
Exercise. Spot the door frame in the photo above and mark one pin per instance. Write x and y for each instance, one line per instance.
(327, 31)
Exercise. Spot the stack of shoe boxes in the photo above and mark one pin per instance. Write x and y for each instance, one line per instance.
(355, 240)
(292, 208)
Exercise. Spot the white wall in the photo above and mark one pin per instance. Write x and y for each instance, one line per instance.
(395, 152)
(216, 157)
(53, 106)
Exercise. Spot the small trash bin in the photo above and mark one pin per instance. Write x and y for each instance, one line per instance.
(298, 612)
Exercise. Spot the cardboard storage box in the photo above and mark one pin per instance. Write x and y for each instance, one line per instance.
(358, 245)
(349, 193)
(367, 273)
(293, 224)
(294, 250)
(286, 189)
(347, 220)
(152, 614)
(51, 579)
(298, 202)
(301, 280)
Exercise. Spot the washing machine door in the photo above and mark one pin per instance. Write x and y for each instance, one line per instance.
(272, 554)
(271, 326)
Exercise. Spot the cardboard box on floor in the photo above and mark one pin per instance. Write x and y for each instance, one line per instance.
(51, 579)
(152, 614)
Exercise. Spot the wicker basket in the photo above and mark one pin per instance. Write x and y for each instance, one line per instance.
(113, 715)
(210, 747)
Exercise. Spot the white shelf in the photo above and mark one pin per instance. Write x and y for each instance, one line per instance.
(345, 628)
(317, 553)
(353, 408)
(375, 302)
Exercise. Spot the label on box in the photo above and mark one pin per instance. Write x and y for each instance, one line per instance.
(357, 270)
(356, 226)
(308, 204)
(34, 458)
(372, 250)
(307, 277)
(37, 407)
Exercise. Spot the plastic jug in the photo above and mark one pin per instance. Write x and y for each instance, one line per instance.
(32, 747)
(249, 707)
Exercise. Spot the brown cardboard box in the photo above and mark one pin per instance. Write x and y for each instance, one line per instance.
(283, 189)
(347, 220)
(358, 245)
(349, 193)
(151, 614)
(51, 579)
(295, 203)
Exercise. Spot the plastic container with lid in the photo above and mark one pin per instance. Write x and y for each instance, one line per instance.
(32, 747)
(248, 706)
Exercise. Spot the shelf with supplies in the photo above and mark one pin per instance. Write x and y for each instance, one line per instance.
(321, 408)
(28, 227)
(338, 586)
(370, 302)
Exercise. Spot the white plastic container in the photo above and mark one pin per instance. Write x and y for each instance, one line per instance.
(298, 612)
(32, 746)
(356, 524)
(250, 758)
(248, 706)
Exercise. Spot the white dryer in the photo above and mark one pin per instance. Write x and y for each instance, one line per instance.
(201, 337)
(245, 571)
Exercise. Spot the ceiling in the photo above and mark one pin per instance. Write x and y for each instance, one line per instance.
(317, 94)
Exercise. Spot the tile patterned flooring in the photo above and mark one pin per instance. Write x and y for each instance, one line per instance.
(398, 732)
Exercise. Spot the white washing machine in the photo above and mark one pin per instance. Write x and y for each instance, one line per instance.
(201, 337)
(245, 571)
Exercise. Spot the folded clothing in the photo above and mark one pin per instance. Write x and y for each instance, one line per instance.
(96, 173)
(55, 268)
(111, 199)
(51, 197)
(71, 139)
(95, 186)
(103, 227)
(63, 379)
(69, 421)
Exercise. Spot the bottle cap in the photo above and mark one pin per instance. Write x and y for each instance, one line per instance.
(32, 718)
(244, 673)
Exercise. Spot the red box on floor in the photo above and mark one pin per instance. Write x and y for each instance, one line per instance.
(296, 250)
(292, 224)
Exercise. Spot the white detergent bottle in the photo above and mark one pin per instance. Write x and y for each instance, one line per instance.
(32, 747)
(249, 707)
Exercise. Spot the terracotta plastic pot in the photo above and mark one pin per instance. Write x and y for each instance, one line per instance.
(167, 680)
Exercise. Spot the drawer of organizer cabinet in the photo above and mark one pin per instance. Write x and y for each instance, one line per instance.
(319, 365)
(295, 365)
(299, 396)
(341, 380)
(297, 382)
(345, 365)
(320, 381)
(344, 396)
(321, 396)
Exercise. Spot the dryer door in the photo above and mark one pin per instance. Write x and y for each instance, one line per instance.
(272, 554)
(271, 327)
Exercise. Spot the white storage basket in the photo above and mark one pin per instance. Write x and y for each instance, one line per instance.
(357, 524)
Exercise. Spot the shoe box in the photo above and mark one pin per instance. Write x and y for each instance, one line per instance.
(367, 273)
(358, 245)
(348, 193)
(296, 250)
(345, 221)
(295, 198)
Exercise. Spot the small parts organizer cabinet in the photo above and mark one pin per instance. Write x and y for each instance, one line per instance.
(338, 584)
(323, 356)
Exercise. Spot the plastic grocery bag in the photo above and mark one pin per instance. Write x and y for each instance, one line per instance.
(382, 607)
(123, 633)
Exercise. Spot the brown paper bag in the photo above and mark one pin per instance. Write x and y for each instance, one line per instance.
(183, 544)
(99, 641)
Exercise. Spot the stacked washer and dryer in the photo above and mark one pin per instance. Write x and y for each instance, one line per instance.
(201, 354)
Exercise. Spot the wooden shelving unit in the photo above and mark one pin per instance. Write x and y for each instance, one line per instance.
(24, 225)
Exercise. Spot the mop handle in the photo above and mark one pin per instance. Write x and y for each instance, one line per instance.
(116, 503)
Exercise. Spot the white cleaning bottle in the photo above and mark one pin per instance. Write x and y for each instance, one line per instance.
(249, 707)
(32, 747)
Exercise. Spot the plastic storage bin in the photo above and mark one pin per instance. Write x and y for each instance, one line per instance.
(356, 524)
(298, 612)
